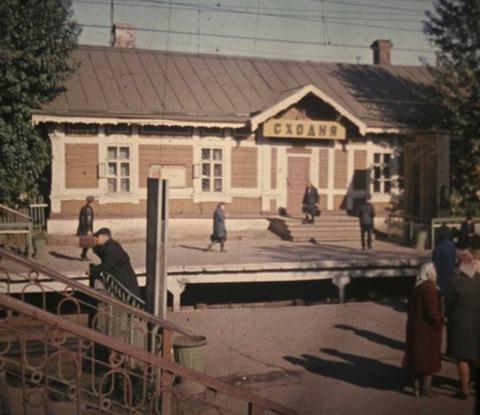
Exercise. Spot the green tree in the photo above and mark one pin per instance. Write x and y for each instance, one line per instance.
(453, 28)
(36, 39)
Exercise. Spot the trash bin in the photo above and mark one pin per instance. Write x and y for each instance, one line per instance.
(39, 244)
(188, 351)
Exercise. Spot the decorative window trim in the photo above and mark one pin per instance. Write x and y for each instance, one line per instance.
(118, 129)
(81, 129)
(382, 180)
(161, 130)
(114, 169)
(212, 132)
(209, 170)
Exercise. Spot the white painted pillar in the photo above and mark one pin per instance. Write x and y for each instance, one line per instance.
(331, 172)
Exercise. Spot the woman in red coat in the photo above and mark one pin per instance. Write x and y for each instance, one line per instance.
(424, 331)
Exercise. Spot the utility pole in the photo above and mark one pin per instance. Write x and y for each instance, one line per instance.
(156, 260)
(112, 7)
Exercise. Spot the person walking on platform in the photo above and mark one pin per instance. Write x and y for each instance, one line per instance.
(444, 256)
(85, 223)
(424, 331)
(310, 204)
(219, 234)
(462, 309)
(366, 213)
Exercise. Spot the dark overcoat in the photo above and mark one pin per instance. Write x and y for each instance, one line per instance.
(463, 316)
(85, 220)
(116, 261)
(366, 213)
(443, 258)
(219, 228)
(311, 197)
(424, 330)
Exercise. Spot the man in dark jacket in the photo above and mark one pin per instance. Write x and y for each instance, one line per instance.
(310, 203)
(444, 257)
(85, 223)
(115, 261)
(366, 213)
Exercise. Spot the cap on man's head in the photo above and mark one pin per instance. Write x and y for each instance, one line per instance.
(103, 231)
(90, 199)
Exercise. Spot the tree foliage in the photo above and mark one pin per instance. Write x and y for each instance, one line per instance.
(454, 28)
(36, 39)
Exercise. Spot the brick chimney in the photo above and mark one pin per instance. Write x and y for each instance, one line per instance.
(381, 52)
(123, 35)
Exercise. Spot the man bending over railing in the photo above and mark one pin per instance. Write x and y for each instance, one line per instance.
(115, 261)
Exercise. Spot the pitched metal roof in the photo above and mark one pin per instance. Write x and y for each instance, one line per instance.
(150, 84)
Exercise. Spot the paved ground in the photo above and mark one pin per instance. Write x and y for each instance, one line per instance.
(327, 359)
(245, 247)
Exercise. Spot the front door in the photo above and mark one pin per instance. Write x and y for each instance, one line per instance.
(298, 177)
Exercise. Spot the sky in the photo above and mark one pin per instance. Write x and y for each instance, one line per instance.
(315, 30)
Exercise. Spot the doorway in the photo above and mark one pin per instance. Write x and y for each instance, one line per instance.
(297, 179)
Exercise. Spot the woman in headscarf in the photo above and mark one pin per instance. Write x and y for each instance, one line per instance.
(462, 306)
(424, 331)
(219, 234)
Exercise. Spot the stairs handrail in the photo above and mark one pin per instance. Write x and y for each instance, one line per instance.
(15, 212)
(256, 403)
(98, 295)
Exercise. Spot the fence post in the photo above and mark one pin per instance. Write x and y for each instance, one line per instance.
(166, 377)
(29, 239)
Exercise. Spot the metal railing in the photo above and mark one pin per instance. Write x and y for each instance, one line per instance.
(68, 351)
(14, 223)
(450, 222)
(37, 211)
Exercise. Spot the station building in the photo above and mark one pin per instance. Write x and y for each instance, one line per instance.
(250, 132)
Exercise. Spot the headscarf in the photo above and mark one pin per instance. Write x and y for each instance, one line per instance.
(468, 265)
(426, 273)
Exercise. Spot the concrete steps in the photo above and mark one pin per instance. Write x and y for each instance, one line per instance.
(327, 228)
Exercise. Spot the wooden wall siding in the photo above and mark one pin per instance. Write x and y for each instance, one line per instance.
(178, 208)
(273, 206)
(81, 161)
(273, 183)
(294, 113)
(382, 208)
(299, 150)
(120, 210)
(165, 155)
(340, 202)
(340, 174)
(360, 170)
(244, 167)
(323, 169)
(246, 205)
(323, 205)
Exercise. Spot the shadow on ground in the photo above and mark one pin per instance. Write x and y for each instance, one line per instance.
(289, 251)
(362, 371)
(373, 337)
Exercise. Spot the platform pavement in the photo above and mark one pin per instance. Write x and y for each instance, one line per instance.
(322, 359)
(63, 253)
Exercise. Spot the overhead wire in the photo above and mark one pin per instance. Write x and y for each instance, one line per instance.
(310, 16)
(261, 39)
